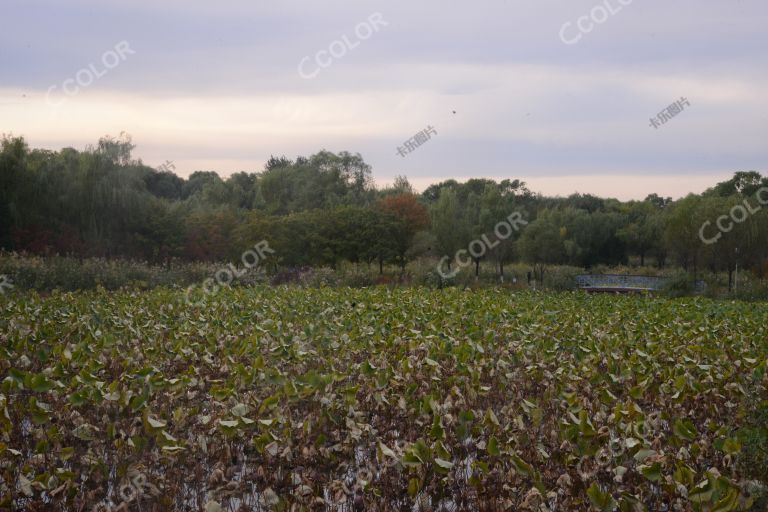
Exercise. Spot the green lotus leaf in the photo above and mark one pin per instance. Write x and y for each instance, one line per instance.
(600, 500)
(685, 429)
(156, 423)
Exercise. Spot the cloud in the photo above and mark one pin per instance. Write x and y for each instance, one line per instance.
(216, 86)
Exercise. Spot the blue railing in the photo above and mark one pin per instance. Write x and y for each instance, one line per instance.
(621, 282)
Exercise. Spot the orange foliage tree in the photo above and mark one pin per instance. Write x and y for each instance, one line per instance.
(403, 217)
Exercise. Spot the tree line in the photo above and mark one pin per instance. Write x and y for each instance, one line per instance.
(323, 209)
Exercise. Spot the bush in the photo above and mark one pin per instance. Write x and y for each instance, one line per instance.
(68, 274)
(357, 276)
(752, 290)
(753, 457)
(561, 278)
(679, 284)
(754, 439)
(319, 278)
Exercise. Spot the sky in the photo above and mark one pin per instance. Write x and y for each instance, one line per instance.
(617, 98)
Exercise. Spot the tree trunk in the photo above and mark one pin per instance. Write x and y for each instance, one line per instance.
(695, 269)
(477, 267)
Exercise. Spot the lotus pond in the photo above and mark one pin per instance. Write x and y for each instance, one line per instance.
(381, 399)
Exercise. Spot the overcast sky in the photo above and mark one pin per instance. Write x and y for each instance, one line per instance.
(559, 93)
